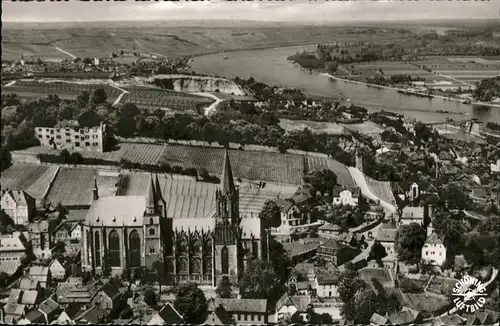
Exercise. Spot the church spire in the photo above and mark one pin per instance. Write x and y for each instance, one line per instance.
(95, 190)
(158, 194)
(227, 182)
(151, 194)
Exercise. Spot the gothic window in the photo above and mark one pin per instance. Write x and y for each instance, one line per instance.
(151, 250)
(114, 249)
(195, 246)
(89, 251)
(152, 231)
(196, 266)
(183, 268)
(151, 221)
(97, 246)
(225, 260)
(135, 249)
(207, 265)
(182, 245)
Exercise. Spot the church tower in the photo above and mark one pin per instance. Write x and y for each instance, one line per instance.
(227, 230)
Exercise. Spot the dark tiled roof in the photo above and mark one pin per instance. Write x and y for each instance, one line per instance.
(377, 319)
(325, 279)
(48, 306)
(35, 316)
(92, 315)
(402, 317)
(284, 205)
(112, 290)
(170, 315)
(73, 309)
(242, 305)
(333, 244)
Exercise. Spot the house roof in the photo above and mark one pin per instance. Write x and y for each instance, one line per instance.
(35, 316)
(9, 267)
(301, 302)
(15, 295)
(219, 317)
(448, 320)
(92, 315)
(433, 239)
(327, 279)
(19, 196)
(56, 264)
(48, 306)
(412, 212)
(111, 289)
(386, 235)
(242, 305)
(11, 242)
(63, 226)
(39, 271)
(28, 283)
(284, 300)
(29, 297)
(284, 205)
(377, 319)
(250, 227)
(333, 244)
(402, 317)
(170, 315)
(14, 309)
(117, 211)
(330, 227)
(73, 309)
(39, 227)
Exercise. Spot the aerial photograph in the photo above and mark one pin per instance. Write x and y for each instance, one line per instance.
(250, 163)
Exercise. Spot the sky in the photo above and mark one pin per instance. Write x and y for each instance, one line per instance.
(288, 11)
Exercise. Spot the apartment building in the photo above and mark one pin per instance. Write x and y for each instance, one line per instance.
(71, 136)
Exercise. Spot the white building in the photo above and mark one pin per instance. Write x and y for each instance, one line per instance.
(327, 286)
(495, 168)
(18, 205)
(76, 232)
(434, 251)
(412, 215)
(329, 230)
(71, 137)
(346, 196)
(12, 251)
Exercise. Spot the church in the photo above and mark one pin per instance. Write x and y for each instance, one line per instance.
(198, 236)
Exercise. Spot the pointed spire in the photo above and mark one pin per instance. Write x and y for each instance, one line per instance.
(95, 190)
(151, 194)
(227, 181)
(158, 193)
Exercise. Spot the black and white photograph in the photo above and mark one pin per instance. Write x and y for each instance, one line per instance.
(250, 162)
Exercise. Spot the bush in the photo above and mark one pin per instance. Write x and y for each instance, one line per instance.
(150, 297)
(127, 313)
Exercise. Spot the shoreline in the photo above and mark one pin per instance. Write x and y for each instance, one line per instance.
(400, 89)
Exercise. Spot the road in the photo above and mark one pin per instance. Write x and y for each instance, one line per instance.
(119, 96)
(65, 52)
(209, 110)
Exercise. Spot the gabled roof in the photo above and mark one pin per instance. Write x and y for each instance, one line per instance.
(29, 297)
(412, 212)
(48, 306)
(433, 239)
(56, 263)
(117, 210)
(355, 191)
(301, 302)
(284, 300)
(170, 315)
(377, 319)
(402, 317)
(111, 290)
(63, 226)
(333, 244)
(448, 320)
(20, 197)
(73, 309)
(242, 305)
(35, 316)
(219, 317)
(386, 235)
(327, 279)
(11, 242)
(39, 271)
(284, 205)
(15, 296)
(14, 309)
(93, 315)
(28, 284)
(330, 227)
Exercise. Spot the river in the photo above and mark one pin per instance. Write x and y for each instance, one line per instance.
(270, 66)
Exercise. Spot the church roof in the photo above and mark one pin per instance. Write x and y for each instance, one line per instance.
(151, 194)
(227, 180)
(117, 211)
(182, 207)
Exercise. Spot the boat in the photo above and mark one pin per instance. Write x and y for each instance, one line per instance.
(225, 58)
(467, 101)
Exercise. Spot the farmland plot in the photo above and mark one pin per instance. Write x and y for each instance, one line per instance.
(381, 189)
(318, 163)
(159, 98)
(142, 153)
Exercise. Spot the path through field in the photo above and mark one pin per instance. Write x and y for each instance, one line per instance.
(209, 110)
(10, 84)
(65, 52)
(454, 79)
(123, 92)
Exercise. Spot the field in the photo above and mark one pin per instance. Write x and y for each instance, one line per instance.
(159, 98)
(390, 68)
(366, 128)
(381, 274)
(425, 302)
(33, 89)
(315, 126)
(272, 167)
(144, 153)
(381, 189)
(470, 70)
(101, 39)
(442, 285)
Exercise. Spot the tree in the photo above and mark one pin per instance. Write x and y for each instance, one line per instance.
(99, 96)
(365, 304)
(409, 242)
(87, 61)
(5, 158)
(258, 281)
(83, 99)
(224, 290)
(89, 119)
(191, 303)
(159, 267)
(75, 158)
(270, 215)
(323, 181)
(377, 252)
(65, 155)
(106, 266)
(349, 284)
(150, 298)
(127, 313)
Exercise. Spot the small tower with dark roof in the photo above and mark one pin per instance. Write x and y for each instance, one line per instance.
(159, 200)
(151, 207)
